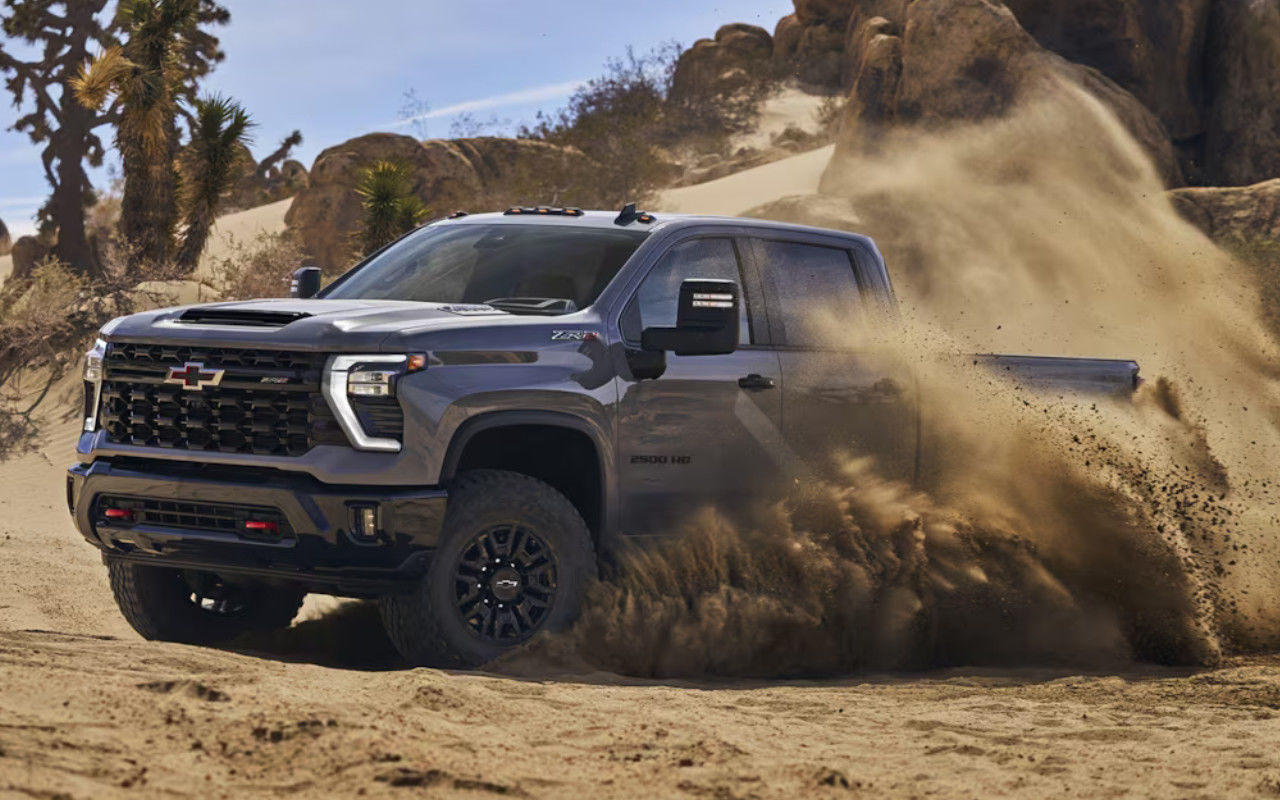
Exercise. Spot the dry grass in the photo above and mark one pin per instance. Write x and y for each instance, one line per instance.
(260, 267)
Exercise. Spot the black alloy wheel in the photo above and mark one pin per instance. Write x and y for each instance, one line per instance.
(505, 583)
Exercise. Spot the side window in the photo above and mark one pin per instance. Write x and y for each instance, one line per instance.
(816, 290)
(654, 303)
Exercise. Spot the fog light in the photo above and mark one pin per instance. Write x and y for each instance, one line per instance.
(365, 525)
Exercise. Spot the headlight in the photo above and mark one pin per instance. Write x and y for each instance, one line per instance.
(372, 382)
(93, 383)
(365, 376)
(93, 361)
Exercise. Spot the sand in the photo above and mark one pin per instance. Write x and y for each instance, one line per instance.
(790, 107)
(87, 709)
(732, 195)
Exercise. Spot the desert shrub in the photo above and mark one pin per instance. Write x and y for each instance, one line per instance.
(47, 321)
(625, 120)
(261, 267)
(42, 320)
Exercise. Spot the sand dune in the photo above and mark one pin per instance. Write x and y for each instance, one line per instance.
(732, 195)
(242, 226)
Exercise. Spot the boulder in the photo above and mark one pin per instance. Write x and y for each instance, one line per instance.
(713, 65)
(1242, 143)
(1233, 216)
(6, 244)
(812, 12)
(786, 38)
(27, 252)
(957, 61)
(477, 173)
(819, 56)
(1152, 48)
(1244, 221)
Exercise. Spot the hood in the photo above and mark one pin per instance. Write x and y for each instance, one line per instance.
(352, 325)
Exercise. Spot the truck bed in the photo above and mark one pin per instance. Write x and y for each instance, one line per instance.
(1093, 376)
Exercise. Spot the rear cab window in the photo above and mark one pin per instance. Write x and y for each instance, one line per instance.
(814, 289)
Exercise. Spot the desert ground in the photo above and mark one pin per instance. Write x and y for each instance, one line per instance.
(87, 709)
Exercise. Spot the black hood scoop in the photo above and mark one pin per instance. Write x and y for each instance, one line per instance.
(241, 316)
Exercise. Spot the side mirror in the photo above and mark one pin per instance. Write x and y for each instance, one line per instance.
(306, 282)
(706, 321)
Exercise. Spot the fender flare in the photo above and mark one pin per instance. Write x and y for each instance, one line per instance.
(489, 420)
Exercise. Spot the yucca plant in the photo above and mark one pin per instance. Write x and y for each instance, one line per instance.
(146, 76)
(390, 206)
(215, 159)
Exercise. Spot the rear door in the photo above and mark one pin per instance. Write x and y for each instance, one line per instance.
(843, 395)
(693, 436)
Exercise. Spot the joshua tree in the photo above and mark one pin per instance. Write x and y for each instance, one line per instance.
(60, 34)
(280, 154)
(211, 164)
(163, 55)
(390, 206)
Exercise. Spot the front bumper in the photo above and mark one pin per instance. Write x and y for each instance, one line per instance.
(320, 550)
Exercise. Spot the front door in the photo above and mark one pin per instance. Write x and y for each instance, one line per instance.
(697, 435)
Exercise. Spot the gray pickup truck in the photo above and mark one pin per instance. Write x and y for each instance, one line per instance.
(468, 422)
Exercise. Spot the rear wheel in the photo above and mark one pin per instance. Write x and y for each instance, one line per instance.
(197, 607)
(513, 560)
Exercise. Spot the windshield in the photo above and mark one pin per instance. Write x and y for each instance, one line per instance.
(536, 269)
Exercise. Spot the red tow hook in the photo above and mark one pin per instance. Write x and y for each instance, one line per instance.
(124, 514)
(263, 527)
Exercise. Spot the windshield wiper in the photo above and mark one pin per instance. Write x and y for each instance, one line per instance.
(546, 306)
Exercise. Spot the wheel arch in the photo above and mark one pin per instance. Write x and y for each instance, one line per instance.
(474, 445)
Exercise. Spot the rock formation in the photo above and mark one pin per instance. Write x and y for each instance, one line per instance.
(1235, 216)
(737, 52)
(28, 251)
(1242, 140)
(6, 244)
(1196, 78)
(955, 61)
(480, 173)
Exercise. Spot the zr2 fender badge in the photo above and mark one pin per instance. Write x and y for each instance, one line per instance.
(573, 336)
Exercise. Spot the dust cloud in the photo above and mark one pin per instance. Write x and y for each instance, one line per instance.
(1051, 529)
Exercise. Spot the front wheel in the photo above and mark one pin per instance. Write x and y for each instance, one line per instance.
(513, 560)
(173, 605)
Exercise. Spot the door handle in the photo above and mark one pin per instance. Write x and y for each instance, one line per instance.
(756, 382)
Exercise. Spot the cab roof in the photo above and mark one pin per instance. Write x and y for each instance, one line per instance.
(609, 219)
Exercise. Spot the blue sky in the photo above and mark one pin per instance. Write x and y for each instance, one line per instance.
(339, 69)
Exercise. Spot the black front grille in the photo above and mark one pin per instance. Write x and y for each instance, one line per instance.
(264, 402)
(209, 517)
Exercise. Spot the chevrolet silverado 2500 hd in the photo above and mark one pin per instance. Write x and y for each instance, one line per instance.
(465, 422)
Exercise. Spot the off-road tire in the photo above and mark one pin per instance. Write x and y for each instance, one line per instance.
(156, 601)
(425, 624)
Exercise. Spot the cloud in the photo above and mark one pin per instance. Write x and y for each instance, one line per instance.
(536, 94)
